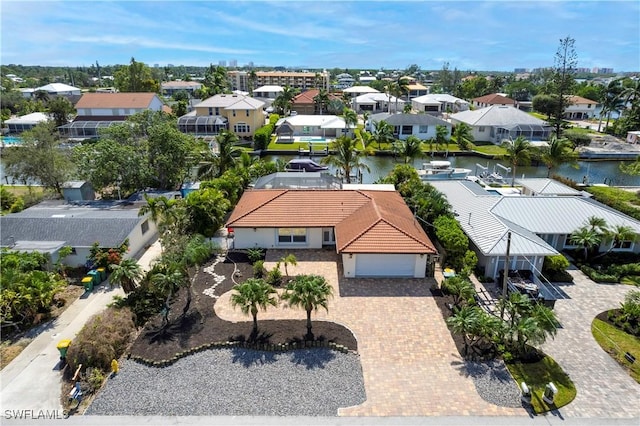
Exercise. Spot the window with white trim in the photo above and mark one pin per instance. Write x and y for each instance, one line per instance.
(407, 130)
(481, 129)
(423, 129)
(292, 235)
(241, 128)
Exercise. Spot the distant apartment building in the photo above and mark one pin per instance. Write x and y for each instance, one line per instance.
(520, 70)
(222, 63)
(299, 80)
(233, 63)
(170, 88)
(597, 70)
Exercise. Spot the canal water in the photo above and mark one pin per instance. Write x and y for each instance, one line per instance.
(594, 171)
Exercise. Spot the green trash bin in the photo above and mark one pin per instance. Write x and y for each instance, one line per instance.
(87, 282)
(103, 273)
(63, 347)
(95, 275)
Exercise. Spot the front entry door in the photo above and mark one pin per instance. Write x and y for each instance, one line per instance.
(328, 237)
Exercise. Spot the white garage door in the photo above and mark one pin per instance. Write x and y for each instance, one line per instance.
(385, 265)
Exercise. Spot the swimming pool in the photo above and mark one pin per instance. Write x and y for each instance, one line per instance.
(10, 140)
(312, 139)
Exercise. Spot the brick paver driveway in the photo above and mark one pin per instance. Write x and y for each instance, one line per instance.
(604, 388)
(409, 361)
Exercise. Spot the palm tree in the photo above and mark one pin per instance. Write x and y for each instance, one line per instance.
(252, 77)
(464, 322)
(619, 234)
(464, 136)
(460, 288)
(289, 259)
(631, 92)
(383, 132)
(168, 281)
(285, 99)
(321, 100)
(612, 101)
(597, 224)
(557, 152)
(400, 88)
(127, 274)
(252, 294)
(41, 95)
(350, 119)
(410, 149)
(228, 151)
(159, 209)
(587, 238)
(308, 292)
(518, 152)
(441, 137)
(346, 157)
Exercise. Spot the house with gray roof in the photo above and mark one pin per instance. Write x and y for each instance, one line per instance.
(498, 123)
(422, 126)
(540, 226)
(51, 225)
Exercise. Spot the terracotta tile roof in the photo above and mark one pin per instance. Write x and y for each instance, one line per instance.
(305, 98)
(115, 100)
(167, 109)
(577, 100)
(364, 221)
(494, 99)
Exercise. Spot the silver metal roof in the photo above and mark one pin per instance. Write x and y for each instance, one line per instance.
(545, 186)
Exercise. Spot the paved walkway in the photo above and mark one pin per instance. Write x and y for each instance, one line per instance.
(32, 381)
(409, 361)
(604, 388)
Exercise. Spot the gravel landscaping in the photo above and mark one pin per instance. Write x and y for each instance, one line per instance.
(305, 382)
(494, 383)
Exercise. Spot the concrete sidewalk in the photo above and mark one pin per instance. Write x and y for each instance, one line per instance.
(32, 380)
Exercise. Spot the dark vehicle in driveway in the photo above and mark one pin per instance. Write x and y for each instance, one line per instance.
(304, 165)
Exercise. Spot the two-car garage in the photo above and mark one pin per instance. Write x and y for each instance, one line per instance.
(384, 265)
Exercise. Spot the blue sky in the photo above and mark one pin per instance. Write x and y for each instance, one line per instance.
(473, 35)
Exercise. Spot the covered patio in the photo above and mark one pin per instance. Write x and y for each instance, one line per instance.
(84, 129)
(202, 125)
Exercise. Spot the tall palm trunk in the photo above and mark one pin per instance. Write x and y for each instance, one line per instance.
(309, 333)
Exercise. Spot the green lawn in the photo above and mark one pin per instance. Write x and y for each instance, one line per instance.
(18, 190)
(627, 202)
(537, 375)
(495, 150)
(616, 343)
(538, 115)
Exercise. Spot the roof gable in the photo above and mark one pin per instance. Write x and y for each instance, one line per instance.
(116, 100)
(494, 98)
(364, 221)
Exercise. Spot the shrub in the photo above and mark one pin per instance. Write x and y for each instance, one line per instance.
(255, 254)
(258, 269)
(95, 379)
(7, 198)
(554, 264)
(274, 277)
(103, 338)
(145, 301)
(17, 206)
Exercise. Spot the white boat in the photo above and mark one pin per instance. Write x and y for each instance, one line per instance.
(442, 170)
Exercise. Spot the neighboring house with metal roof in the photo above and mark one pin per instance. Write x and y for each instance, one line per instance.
(546, 187)
(492, 99)
(438, 104)
(326, 126)
(498, 123)
(98, 110)
(540, 226)
(360, 90)
(59, 89)
(374, 231)
(26, 122)
(49, 226)
(241, 114)
(422, 126)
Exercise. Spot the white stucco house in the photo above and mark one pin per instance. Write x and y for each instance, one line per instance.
(377, 102)
(423, 126)
(438, 104)
(59, 89)
(373, 231)
(580, 108)
(325, 126)
(498, 123)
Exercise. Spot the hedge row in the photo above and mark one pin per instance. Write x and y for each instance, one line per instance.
(282, 347)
